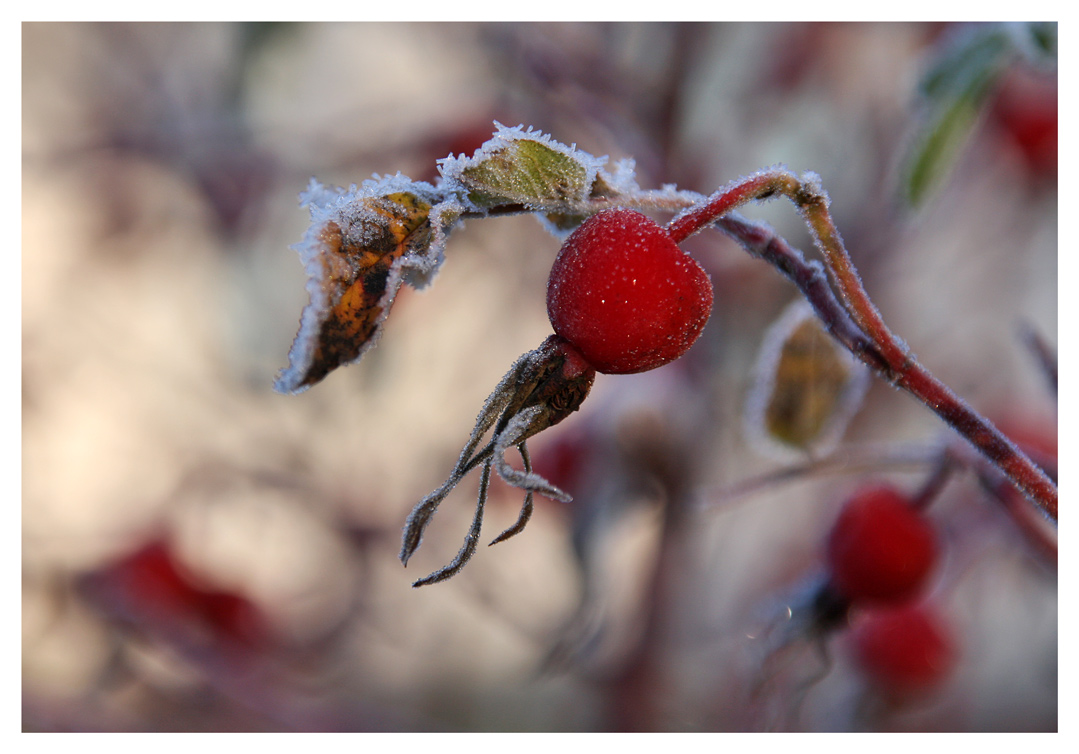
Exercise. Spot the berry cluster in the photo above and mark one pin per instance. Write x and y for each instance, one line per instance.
(880, 555)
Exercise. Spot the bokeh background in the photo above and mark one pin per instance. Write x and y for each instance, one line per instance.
(201, 553)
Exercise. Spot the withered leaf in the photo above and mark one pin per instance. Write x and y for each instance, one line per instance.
(809, 382)
(354, 259)
(807, 386)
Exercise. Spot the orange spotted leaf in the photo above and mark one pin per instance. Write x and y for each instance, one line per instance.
(355, 254)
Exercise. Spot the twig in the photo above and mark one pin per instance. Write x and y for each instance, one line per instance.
(878, 347)
(844, 461)
(1043, 352)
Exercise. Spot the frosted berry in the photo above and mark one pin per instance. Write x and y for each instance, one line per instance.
(624, 293)
(880, 549)
(904, 650)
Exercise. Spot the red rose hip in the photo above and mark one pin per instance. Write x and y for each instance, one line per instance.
(624, 293)
(880, 550)
(904, 650)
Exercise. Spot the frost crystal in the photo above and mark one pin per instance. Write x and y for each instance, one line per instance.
(519, 166)
(812, 185)
(623, 179)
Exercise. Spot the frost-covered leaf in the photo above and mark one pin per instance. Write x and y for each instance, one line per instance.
(522, 167)
(806, 387)
(357, 251)
(526, 172)
(365, 242)
(604, 186)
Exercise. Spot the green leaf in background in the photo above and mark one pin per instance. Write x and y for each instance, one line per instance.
(955, 89)
(937, 148)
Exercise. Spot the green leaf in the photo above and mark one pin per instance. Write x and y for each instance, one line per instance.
(937, 148)
(955, 87)
(527, 172)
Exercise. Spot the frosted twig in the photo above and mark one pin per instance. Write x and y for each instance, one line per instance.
(886, 354)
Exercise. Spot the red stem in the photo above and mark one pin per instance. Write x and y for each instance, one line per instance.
(889, 357)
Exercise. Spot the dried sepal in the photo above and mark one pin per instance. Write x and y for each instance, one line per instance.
(806, 387)
(526, 507)
(542, 388)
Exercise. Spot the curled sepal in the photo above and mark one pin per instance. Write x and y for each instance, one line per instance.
(542, 388)
(806, 387)
(361, 245)
(522, 167)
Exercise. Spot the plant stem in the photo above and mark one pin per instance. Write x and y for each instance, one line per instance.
(884, 352)
(1037, 533)
(1046, 356)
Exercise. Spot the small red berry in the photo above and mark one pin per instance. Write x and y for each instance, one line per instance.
(624, 293)
(904, 650)
(880, 550)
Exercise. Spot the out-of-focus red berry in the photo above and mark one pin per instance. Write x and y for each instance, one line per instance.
(904, 650)
(1025, 108)
(880, 550)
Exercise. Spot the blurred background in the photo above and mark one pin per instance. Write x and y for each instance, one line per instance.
(201, 553)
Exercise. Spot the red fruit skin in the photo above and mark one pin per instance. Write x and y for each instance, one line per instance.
(626, 295)
(904, 650)
(880, 550)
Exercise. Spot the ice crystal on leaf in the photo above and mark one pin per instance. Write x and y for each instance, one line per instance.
(525, 167)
